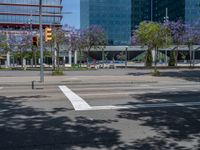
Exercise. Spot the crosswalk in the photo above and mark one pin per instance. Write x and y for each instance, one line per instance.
(103, 97)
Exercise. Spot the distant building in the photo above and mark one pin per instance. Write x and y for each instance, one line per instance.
(141, 10)
(21, 13)
(113, 15)
(175, 10)
(155, 10)
(192, 12)
(120, 17)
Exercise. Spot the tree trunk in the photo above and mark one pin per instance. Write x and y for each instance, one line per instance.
(58, 56)
(35, 59)
(21, 57)
(148, 58)
(176, 53)
(190, 51)
(103, 57)
(193, 57)
(155, 61)
(88, 52)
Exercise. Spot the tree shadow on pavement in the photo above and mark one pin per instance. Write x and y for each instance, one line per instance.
(189, 75)
(175, 127)
(167, 97)
(27, 128)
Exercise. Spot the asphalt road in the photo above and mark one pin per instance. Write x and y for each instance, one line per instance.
(143, 116)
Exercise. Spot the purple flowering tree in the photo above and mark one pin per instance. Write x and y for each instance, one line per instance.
(177, 30)
(93, 37)
(20, 44)
(191, 36)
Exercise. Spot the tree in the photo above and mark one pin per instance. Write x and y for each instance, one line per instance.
(191, 36)
(22, 43)
(154, 36)
(3, 41)
(177, 30)
(93, 37)
(58, 38)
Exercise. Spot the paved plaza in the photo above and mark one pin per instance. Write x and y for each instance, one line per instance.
(104, 109)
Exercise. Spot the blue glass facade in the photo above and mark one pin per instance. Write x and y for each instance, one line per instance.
(113, 15)
(22, 12)
(192, 12)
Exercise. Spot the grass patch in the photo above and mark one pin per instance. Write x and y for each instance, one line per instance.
(57, 72)
(156, 73)
(5, 69)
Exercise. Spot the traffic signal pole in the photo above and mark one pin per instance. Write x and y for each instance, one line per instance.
(41, 44)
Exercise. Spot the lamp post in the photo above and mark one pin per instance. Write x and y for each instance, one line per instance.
(41, 43)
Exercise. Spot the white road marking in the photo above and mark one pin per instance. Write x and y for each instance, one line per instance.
(121, 93)
(80, 104)
(77, 102)
(133, 87)
(139, 106)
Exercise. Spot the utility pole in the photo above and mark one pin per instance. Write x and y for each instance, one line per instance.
(41, 43)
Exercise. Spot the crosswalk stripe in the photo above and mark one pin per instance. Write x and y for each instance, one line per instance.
(77, 102)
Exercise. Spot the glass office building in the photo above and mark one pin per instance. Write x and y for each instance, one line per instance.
(141, 10)
(192, 12)
(175, 10)
(155, 10)
(113, 15)
(19, 13)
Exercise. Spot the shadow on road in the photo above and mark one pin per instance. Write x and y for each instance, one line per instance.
(26, 128)
(175, 127)
(167, 97)
(189, 75)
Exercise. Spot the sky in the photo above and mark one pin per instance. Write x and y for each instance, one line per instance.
(72, 19)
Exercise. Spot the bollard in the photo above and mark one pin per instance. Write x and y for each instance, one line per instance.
(33, 85)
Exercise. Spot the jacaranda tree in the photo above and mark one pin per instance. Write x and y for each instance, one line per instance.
(177, 30)
(94, 37)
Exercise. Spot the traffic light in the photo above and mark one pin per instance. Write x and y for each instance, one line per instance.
(48, 34)
(35, 41)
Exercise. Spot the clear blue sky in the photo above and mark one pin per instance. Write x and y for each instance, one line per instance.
(72, 6)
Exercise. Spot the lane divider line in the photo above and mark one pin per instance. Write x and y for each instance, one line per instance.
(77, 102)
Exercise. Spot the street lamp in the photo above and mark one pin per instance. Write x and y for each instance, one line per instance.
(166, 18)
